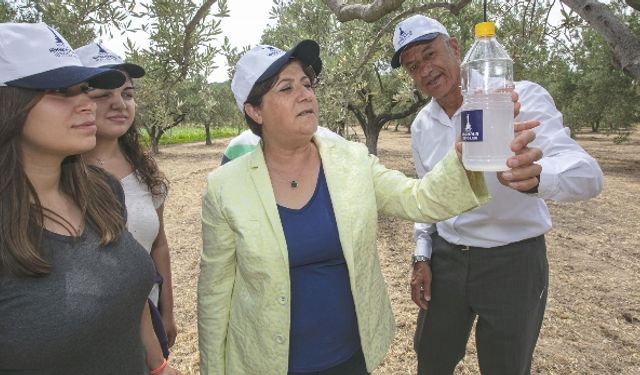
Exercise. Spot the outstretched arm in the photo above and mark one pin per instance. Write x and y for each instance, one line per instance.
(563, 171)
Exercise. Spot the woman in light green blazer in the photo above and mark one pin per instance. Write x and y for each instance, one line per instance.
(291, 228)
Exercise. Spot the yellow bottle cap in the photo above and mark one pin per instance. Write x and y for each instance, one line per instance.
(485, 29)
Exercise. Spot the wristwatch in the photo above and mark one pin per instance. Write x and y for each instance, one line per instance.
(420, 258)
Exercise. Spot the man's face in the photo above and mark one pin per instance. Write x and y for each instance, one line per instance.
(434, 67)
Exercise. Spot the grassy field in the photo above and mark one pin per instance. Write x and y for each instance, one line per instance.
(189, 134)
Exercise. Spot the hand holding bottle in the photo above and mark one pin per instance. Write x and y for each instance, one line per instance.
(524, 175)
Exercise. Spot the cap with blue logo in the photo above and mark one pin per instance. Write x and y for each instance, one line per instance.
(35, 56)
(95, 55)
(416, 28)
(263, 62)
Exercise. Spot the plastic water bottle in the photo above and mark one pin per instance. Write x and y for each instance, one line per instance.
(487, 110)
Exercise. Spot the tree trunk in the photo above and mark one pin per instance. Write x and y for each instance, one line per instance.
(207, 131)
(372, 134)
(155, 149)
(622, 41)
(155, 134)
(341, 128)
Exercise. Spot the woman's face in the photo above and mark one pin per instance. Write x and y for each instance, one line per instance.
(116, 110)
(290, 108)
(60, 124)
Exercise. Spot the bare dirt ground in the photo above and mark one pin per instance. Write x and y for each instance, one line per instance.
(592, 322)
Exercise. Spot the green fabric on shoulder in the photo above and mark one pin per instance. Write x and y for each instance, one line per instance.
(236, 151)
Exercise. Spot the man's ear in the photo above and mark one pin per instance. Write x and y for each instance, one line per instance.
(453, 43)
(254, 112)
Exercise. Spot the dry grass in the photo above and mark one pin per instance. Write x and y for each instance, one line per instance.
(592, 323)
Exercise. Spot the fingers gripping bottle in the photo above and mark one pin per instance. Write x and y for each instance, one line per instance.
(487, 111)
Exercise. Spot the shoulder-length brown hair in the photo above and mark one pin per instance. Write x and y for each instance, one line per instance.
(21, 214)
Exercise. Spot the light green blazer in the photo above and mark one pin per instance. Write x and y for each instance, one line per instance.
(244, 286)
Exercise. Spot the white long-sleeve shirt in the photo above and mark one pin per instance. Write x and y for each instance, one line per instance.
(568, 174)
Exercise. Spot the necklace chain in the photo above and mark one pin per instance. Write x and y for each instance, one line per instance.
(294, 183)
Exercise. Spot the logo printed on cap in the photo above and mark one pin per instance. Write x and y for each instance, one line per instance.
(273, 51)
(404, 35)
(104, 56)
(62, 49)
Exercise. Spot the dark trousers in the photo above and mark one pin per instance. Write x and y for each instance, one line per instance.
(504, 287)
(353, 366)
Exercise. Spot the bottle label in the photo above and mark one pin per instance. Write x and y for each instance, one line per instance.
(471, 125)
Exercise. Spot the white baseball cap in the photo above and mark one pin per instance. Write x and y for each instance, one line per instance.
(95, 55)
(35, 56)
(263, 62)
(414, 29)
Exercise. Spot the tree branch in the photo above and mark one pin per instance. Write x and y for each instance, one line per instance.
(417, 104)
(177, 120)
(375, 69)
(454, 8)
(414, 107)
(368, 13)
(187, 47)
(359, 116)
(622, 41)
(635, 4)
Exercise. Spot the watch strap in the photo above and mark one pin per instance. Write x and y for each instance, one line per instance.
(420, 258)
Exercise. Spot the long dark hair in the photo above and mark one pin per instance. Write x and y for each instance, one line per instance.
(21, 213)
(142, 162)
(145, 166)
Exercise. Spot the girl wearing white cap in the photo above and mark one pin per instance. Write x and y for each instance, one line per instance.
(119, 152)
(73, 281)
(290, 279)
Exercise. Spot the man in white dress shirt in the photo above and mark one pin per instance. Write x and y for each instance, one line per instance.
(489, 263)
